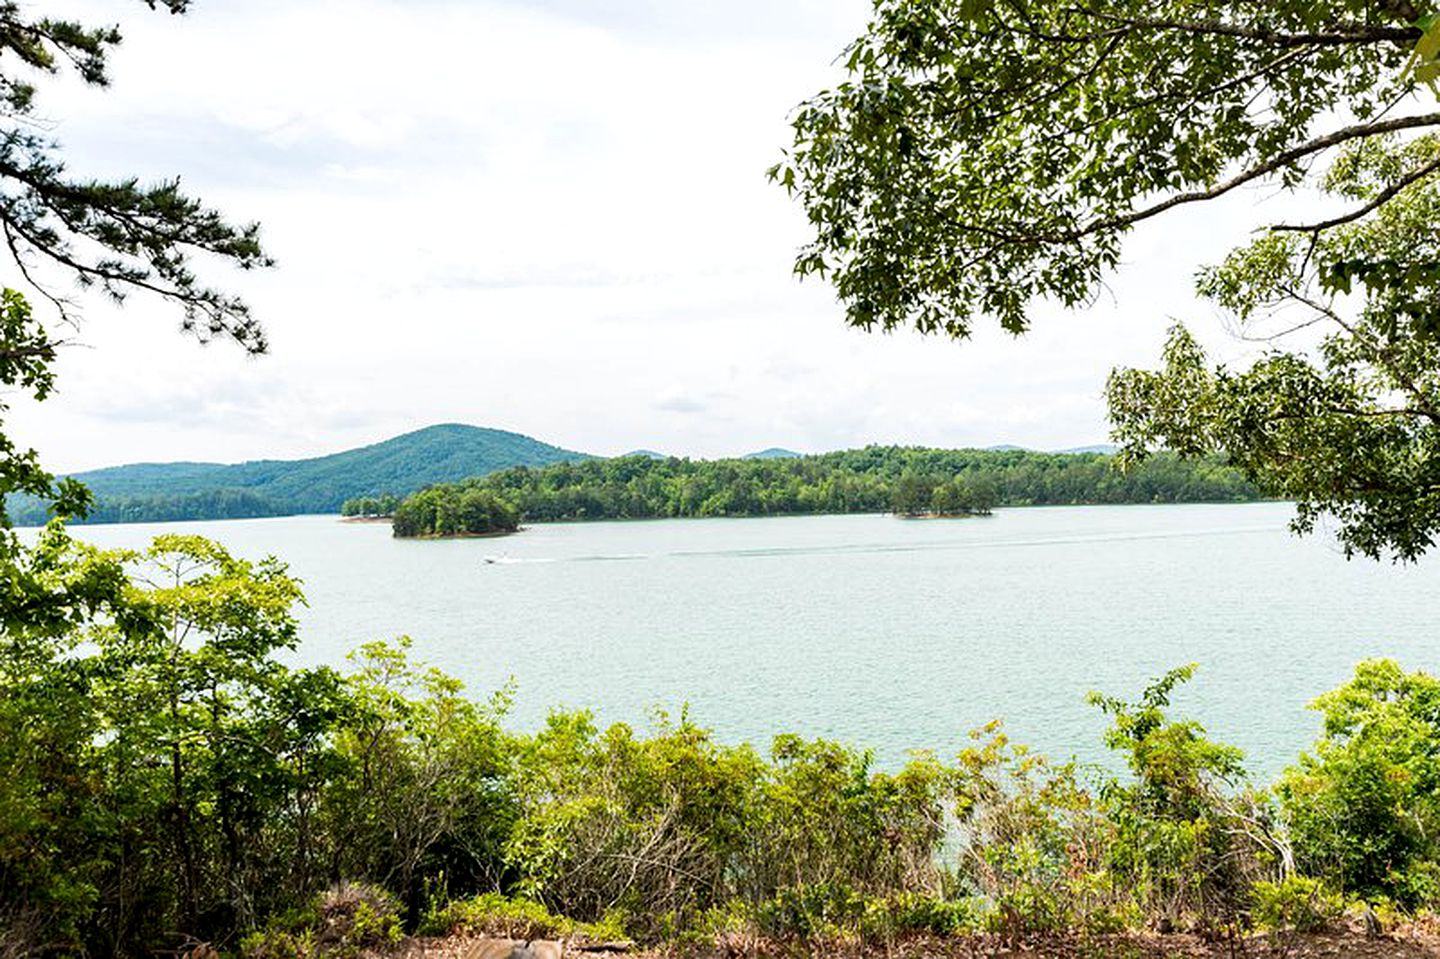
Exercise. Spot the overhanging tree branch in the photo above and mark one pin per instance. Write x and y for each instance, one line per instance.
(1343, 34)
(1274, 164)
(1381, 198)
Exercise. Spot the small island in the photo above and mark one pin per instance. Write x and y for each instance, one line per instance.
(452, 510)
(370, 508)
(919, 496)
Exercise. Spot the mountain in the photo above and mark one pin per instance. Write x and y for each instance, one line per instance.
(648, 454)
(1105, 449)
(773, 453)
(144, 492)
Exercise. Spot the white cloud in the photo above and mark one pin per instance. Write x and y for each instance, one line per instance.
(548, 217)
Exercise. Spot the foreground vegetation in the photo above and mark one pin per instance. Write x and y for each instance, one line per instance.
(168, 776)
(876, 479)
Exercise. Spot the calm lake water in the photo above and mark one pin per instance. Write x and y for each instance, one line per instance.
(883, 632)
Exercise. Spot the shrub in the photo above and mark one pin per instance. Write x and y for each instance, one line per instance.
(418, 791)
(1189, 839)
(611, 819)
(822, 911)
(674, 826)
(1296, 903)
(495, 915)
(1364, 805)
(909, 914)
(1033, 841)
(341, 922)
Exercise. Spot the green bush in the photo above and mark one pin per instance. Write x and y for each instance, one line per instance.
(495, 915)
(910, 914)
(1034, 841)
(340, 923)
(672, 826)
(419, 786)
(1296, 903)
(1364, 805)
(1189, 839)
(822, 911)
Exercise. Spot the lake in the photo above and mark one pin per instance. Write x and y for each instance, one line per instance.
(887, 633)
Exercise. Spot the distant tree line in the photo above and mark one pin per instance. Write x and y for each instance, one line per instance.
(876, 479)
(211, 504)
(369, 507)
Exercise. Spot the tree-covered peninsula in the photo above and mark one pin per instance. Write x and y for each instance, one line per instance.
(911, 481)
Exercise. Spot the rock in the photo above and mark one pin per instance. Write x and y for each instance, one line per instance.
(545, 949)
(495, 949)
(1373, 927)
(513, 949)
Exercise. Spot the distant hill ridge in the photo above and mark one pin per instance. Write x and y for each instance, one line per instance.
(445, 453)
(147, 492)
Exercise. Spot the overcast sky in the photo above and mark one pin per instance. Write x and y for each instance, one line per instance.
(546, 216)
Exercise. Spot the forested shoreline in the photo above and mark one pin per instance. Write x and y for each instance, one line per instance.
(911, 481)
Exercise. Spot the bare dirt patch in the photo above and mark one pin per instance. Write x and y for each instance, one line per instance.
(1410, 942)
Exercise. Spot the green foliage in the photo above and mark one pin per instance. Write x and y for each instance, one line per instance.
(1174, 764)
(1363, 806)
(910, 913)
(963, 497)
(1296, 903)
(1189, 842)
(875, 479)
(152, 736)
(506, 918)
(457, 510)
(1354, 430)
(370, 506)
(921, 495)
(977, 157)
(1034, 839)
(91, 829)
(675, 828)
(421, 786)
(166, 773)
(118, 237)
(610, 820)
(1177, 844)
(341, 922)
(26, 354)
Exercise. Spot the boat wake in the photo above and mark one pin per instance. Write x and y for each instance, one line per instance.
(839, 549)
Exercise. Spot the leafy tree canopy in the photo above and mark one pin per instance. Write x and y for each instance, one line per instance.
(115, 236)
(982, 156)
(1354, 430)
